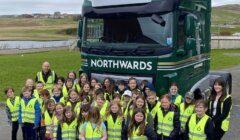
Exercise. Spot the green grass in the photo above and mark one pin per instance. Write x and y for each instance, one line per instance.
(36, 29)
(15, 69)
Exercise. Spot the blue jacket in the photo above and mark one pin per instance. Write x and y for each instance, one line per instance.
(37, 111)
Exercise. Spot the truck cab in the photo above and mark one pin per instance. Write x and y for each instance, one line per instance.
(162, 41)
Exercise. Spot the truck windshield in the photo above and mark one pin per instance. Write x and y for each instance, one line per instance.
(141, 30)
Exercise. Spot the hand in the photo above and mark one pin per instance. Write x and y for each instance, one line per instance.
(35, 126)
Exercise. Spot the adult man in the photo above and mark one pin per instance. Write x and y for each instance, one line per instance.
(47, 76)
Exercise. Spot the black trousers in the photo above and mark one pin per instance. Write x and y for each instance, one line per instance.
(28, 132)
(15, 126)
(218, 133)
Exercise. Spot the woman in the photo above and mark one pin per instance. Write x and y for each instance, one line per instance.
(220, 104)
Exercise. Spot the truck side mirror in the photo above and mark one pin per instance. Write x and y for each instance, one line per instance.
(80, 29)
(190, 25)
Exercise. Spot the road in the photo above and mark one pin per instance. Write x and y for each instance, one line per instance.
(232, 134)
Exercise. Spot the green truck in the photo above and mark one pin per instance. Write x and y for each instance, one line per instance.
(162, 41)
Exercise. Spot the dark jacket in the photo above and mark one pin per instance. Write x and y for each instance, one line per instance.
(149, 132)
(45, 76)
(220, 116)
(176, 124)
(209, 130)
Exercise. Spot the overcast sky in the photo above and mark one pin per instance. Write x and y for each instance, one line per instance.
(8, 7)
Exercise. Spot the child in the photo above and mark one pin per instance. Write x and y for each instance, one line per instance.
(152, 103)
(60, 81)
(83, 78)
(69, 125)
(121, 87)
(57, 121)
(114, 121)
(200, 125)
(39, 88)
(149, 87)
(109, 86)
(72, 75)
(126, 97)
(68, 86)
(102, 104)
(57, 94)
(85, 91)
(138, 128)
(29, 115)
(12, 109)
(83, 117)
(173, 93)
(47, 118)
(94, 128)
(132, 84)
(117, 98)
(73, 100)
(44, 96)
(186, 110)
(93, 82)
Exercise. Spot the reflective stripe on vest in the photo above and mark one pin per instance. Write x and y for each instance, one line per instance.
(165, 123)
(69, 131)
(55, 126)
(197, 130)
(47, 121)
(178, 100)
(185, 113)
(91, 134)
(114, 129)
(14, 108)
(28, 111)
(135, 135)
(50, 81)
(103, 110)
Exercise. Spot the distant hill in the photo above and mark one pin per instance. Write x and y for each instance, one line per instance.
(226, 14)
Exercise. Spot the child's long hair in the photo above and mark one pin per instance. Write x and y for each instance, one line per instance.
(133, 123)
(82, 92)
(80, 77)
(111, 87)
(135, 104)
(222, 83)
(94, 114)
(84, 108)
(61, 119)
(65, 119)
(49, 101)
(119, 113)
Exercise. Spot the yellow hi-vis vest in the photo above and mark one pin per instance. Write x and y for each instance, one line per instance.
(103, 110)
(95, 134)
(165, 123)
(185, 113)
(77, 87)
(55, 126)
(155, 109)
(65, 92)
(114, 129)
(14, 108)
(178, 100)
(76, 108)
(135, 135)
(225, 122)
(50, 81)
(36, 94)
(28, 111)
(127, 109)
(62, 100)
(47, 121)
(80, 130)
(69, 131)
(197, 130)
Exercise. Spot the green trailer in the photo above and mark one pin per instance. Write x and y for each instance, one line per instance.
(162, 41)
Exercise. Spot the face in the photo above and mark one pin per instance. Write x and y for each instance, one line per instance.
(139, 117)
(56, 92)
(151, 99)
(73, 96)
(134, 96)
(114, 108)
(69, 84)
(10, 93)
(107, 83)
(97, 86)
(84, 114)
(100, 101)
(218, 88)
(83, 79)
(200, 110)
(126, 98)
(147, 90)
(165, 103)
(39, 86)
(132, 84)
(188, 100)
(45, 67)
(93, 83)
(44, 97)
(173, 90)
(86, 88)
(121, 87)
(51, 106)
(59, 109)
(117, 99)
(60, 82)
(140, 103)
(71, 75)
(68, 114)
(29, 83)
(27, 94)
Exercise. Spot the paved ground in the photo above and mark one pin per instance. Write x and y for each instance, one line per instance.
(232, 134)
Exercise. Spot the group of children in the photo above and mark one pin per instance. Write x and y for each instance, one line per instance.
(87, 109)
